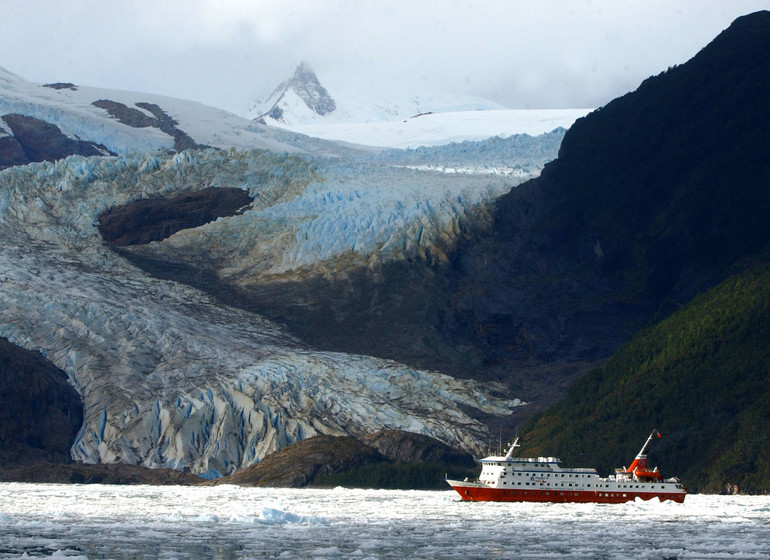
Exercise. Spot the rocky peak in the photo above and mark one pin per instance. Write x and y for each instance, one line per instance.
(305, 85)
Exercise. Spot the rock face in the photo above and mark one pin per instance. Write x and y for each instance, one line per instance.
(651, 200)
(11, 152)
(155, 219)
(300, 464)
(37, 140)
(405, 447)
(95, 474)
(302, 87)
(40, 412)
(160, 120)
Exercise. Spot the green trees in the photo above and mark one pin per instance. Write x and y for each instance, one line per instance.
(701, 376)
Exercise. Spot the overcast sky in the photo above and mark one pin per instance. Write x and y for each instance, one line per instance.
(226, 53)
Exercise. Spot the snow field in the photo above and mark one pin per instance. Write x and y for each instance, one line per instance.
(437, 129)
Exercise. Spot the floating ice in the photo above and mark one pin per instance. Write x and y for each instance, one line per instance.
(150, 523)
(280, 517)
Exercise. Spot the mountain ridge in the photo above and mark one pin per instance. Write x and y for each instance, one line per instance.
(639, 210)
(657, 209)
(700, 375)
(305, 85)
(655, 198)
(303, 100)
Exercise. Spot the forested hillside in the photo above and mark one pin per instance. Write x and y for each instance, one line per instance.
(701, 377)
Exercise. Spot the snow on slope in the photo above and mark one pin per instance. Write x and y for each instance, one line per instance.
(361, 120)
(170, 378)
(296, 102)
(387, 116)
(71, 109)
(443, 128)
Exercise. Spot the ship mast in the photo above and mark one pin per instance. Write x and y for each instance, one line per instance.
(513, 446)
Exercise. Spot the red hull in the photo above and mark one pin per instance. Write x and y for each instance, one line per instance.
(482, 494)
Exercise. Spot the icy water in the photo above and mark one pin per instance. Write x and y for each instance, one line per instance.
(227, 522)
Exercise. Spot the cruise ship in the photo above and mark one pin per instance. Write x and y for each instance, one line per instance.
(543, 479)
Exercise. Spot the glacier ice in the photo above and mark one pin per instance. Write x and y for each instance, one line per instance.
(170, 378)
(386, 206)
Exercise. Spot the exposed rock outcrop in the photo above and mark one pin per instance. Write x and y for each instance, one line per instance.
(160, 120)
(40, 141)
(406, 447)
(62, 85)
(79, 473)
(40, 412)
(155, 219)
(298, 465)
(12, 153)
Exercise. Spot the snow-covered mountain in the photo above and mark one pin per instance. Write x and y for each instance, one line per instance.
(171, 377)
(393, 117)
(300, 98)
(122, 122)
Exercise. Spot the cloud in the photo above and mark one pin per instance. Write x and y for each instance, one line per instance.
(549, 53)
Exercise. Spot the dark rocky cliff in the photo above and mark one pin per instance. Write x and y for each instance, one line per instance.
(149, 220)
(40, 412)
(652, 199)
(33, 140)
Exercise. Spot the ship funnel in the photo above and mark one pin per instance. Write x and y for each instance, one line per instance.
(641, 458)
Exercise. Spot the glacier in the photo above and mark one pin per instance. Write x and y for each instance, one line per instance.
(172, 378)
(364, 211)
